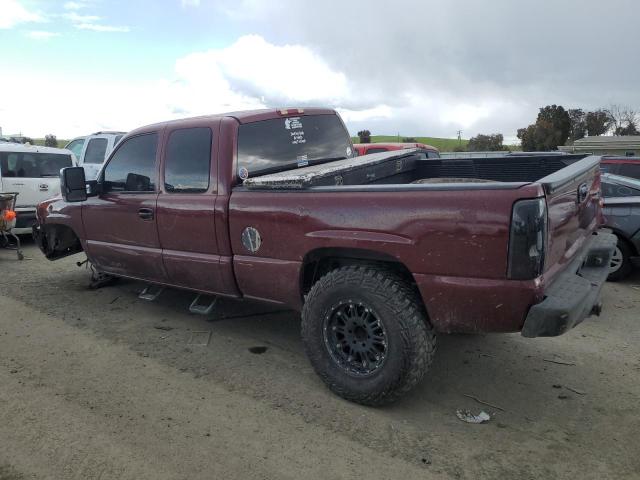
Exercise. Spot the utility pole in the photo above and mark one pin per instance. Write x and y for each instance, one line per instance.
(460, 137)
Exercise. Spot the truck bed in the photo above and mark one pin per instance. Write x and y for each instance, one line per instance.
(411, 167)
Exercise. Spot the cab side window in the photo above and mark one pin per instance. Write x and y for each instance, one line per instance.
(132, 167)
(188, 160)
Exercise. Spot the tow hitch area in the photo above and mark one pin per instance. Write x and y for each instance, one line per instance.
(574, 294)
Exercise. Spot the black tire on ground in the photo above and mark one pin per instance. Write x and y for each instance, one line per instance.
(406, 341)
(621, 254)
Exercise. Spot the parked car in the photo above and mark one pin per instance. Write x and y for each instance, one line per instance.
(368, 148)
(92, 150)
(622, 211)
(379, 252)
(623, 166)
(34, 173)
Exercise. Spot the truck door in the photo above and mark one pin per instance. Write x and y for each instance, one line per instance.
(120, 223)
(186, 211)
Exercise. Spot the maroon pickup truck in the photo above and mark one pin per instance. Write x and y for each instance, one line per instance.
(379, 252)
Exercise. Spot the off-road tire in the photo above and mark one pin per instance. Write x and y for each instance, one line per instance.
(411, 339)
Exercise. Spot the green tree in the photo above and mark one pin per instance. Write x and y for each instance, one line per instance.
(365, 136)
(526, 136)
(50, 140)
(551, 129)
(578, 124)
(597, 123)
(486, 143)
(409, 140)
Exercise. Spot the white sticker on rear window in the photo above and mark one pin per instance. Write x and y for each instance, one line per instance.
(297, 137)
(292, 123)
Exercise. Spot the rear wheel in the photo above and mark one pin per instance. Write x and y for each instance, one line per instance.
(366, 334)
(620, 261)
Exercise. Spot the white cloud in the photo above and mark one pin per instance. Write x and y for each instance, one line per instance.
(250, 73)
(41, 35)
(101, 28)
(77, 18)
(12, 13)
(287, 73)
(375, 113)
(74, 5)
(88, 22)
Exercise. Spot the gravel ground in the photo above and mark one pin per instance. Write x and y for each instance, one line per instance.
(102, 385)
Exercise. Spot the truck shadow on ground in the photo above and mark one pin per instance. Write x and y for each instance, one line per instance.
(500, 369)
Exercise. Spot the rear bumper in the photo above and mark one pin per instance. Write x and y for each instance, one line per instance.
(575, 293)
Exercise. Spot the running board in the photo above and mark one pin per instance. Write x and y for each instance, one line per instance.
(151, 292)
(203, 308)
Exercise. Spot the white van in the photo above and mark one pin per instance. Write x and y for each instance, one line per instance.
(92, 150)
(34, 173)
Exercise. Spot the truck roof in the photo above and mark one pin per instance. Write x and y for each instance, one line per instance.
(19, 147)
(243, 116)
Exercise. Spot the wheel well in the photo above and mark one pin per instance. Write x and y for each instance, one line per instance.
(624, 238)
(59, 241)
(321, 261)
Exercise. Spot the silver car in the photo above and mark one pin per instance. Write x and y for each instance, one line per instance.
(622, 211)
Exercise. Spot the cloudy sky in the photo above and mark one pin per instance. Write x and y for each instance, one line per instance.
(428, 67)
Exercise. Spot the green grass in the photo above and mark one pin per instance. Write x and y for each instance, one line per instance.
(442, 144)
(40, 141)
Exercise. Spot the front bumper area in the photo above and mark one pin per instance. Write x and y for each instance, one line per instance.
(575, 293)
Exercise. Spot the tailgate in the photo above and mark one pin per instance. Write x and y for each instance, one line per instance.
(573, 203)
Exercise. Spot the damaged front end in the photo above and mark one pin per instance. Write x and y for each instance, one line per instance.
(55, 240)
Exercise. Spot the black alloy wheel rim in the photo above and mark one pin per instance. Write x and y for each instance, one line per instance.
(355, 338)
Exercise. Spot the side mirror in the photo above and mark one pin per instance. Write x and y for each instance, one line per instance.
(73, 184)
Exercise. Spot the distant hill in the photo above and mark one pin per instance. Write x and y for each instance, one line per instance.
(442, 144)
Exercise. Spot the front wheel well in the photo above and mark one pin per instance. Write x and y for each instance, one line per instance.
(58, 241)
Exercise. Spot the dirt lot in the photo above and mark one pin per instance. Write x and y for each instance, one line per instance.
(102, 385)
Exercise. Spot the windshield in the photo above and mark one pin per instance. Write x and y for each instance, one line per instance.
(286, 143)
(33, 164)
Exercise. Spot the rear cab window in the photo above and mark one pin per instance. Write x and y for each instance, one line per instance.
(287, 143)
(33, 164)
